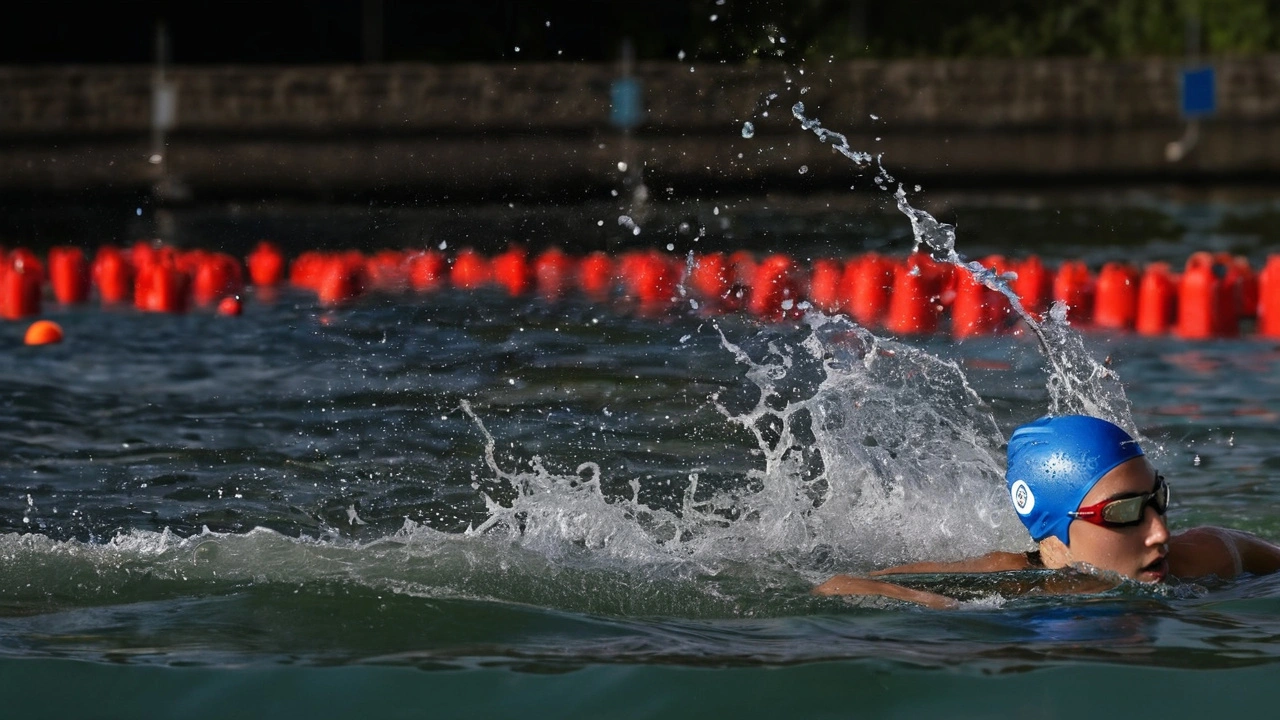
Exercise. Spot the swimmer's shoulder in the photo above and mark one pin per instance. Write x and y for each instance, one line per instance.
(991, 562)
(1205, 551)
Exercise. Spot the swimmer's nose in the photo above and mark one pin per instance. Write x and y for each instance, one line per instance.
(1158, 530)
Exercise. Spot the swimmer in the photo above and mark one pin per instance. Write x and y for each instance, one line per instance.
(1090, 499)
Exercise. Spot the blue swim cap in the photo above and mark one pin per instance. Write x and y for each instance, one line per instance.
(1054, 462)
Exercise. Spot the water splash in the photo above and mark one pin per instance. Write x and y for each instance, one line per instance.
(870, 452)
(1077, 382)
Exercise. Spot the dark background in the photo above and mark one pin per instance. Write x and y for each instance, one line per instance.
(354, 31)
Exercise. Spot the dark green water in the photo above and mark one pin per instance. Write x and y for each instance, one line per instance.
(291, 513)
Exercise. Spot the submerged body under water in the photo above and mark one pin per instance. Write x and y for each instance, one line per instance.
(571, 507)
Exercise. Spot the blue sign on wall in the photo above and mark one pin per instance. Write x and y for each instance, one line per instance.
(627, 105)
(1198, 92)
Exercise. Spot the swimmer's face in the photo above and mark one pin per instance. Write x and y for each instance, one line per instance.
(1137, 551)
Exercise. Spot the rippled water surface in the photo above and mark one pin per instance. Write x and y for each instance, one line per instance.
(467, 502)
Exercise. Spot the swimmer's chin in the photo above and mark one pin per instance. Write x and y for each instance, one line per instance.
(1151, 574)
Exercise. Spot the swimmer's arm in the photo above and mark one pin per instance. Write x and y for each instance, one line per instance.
(991, 562)
(1205, 551)
(847, 585)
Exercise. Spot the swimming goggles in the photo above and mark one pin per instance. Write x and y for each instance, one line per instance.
(1128, 511)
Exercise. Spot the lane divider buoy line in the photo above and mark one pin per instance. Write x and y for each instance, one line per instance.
(1213, 295)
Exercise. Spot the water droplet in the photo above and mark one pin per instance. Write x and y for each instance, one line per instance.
(138, 212)
(875, 116)
(622, 166)
(715, 18)
(748, 130)
(804, 169)
(680, 55)
(517, 48)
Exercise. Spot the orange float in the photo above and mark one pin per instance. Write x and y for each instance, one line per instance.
(43, 332)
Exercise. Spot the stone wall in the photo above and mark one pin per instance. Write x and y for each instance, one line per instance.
(545, 128)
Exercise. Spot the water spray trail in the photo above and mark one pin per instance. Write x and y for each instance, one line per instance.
(1067, 393)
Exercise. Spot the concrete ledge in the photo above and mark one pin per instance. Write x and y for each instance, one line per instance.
(528, 128)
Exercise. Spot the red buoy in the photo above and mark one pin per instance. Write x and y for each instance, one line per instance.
(113, 275)
(654, 280)
(1269, 298)
(1115, 302)
(341, 279)
(266, 264)
(427, 270)
(1074, 286)
(162, 287)
(824, 286)
(868, 282)
(387, 270)
(971, 310)
(1157, 300)
(710, 278)
(1238, 268)
(1199, 296)
(19, 289)
(1033, 286)
(511, 270)
(776, 290)
(69, 275)
(595, 275)
(553, 273)
(913, 305)
(470, 270)
(216, 275)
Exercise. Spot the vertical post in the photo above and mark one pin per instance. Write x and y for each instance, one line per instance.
(1198, 90)
(163, 99)
(627, 112)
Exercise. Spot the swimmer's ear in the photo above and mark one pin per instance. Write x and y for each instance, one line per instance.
(1054, 553)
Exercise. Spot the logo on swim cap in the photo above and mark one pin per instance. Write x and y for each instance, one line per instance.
(1023, 500)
